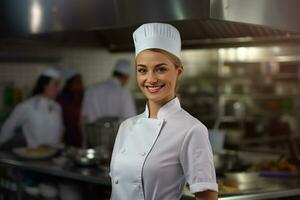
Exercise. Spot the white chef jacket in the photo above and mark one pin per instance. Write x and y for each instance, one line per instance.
(40, 119)
(107, 99)
(154, 158)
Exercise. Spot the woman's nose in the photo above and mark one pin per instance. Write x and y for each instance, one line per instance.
(152, 78)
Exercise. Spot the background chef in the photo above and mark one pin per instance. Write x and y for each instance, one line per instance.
(109, 98)
(70, 100)
(39, 117)
(158, 151)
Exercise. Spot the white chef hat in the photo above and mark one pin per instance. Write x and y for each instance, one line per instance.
(157, 35)
(123, 67)
(51, 72)
(70, 73)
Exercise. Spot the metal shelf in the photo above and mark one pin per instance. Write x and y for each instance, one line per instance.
(272, 96)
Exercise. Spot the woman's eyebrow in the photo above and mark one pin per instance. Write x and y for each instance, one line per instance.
(157, 65)
(160, 64)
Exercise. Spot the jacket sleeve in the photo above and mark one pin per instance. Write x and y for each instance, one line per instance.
(128, 108)
(15, 120)
(196, 159)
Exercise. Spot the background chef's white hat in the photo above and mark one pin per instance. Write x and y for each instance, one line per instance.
(70, 73)
(157, 35)
(51, 72)
(123, 67)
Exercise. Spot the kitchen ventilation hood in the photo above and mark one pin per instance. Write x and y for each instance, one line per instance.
(202, 23)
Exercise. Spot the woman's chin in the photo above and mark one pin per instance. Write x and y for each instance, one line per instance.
(155, 98)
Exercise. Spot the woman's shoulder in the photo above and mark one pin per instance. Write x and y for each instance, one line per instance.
(27, 103)
(24, 106)
(131, 120)
(190, 121)
(40, 102)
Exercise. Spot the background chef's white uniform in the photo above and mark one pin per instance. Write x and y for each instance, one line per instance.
(40, 119)
(107, 99)
(154, 158)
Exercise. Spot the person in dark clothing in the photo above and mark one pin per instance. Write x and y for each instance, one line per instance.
(70, 100)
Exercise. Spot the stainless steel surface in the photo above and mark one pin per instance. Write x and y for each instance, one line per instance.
(93, 175)
(265, 195)
(290, 187)
(101, 133)
(250, 182)
(251, 186)
(111, 23)
(225, 161)
(84, 157)
(258, 196)
(274, 13)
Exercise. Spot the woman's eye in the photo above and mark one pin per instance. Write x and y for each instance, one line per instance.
(142, 71)
(161, 70)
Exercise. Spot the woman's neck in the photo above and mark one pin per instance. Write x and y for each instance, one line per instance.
(153, 109)
(155, 106)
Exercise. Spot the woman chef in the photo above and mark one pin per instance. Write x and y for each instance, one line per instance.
(39, 117)
(158, 151)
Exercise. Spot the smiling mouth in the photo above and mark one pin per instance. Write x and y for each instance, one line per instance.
(154, 89)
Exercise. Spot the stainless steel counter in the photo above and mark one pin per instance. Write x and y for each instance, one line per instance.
(277, 187)
(92, 175)
(261, 188)
(258, 196)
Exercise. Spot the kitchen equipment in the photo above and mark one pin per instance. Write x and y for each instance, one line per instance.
(201, 22)
(242, 177)
(101, 132)
(98, 156)
(35, 153)
(225, 161)
(83, 157)
(217, 140)
(252, 181)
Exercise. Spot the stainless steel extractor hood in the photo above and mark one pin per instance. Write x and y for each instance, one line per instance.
(111, 22)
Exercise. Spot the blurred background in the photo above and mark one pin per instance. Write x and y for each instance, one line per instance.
(241, 79)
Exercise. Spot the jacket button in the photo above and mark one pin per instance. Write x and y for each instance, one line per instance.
(143, 154)
(123, 150)
(116, 181)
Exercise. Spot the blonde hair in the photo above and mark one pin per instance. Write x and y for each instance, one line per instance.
(175, 60)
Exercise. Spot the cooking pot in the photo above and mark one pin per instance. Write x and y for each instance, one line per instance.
(84, 157)
(99, 155)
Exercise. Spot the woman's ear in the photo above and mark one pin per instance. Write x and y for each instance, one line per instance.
(180, 71)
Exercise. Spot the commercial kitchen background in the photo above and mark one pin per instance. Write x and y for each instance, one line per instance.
(223, 86)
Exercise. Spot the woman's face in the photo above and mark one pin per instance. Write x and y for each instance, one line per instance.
(157, 76)
(52, 89)
(77, 85)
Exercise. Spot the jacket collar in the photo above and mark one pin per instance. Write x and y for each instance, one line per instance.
(166, 110)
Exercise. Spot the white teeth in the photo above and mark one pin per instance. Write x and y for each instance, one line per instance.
(153, 89)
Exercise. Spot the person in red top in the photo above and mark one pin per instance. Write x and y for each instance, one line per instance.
(70, 100)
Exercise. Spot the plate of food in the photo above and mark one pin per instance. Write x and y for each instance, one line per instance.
(282, 168)
(41, 152)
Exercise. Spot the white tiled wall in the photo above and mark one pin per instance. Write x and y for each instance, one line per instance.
(95, 65)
